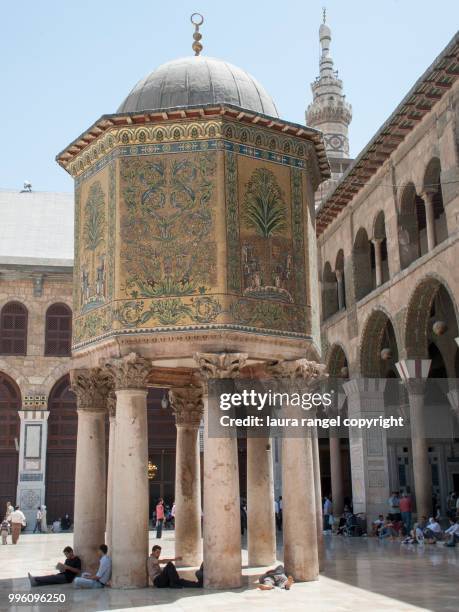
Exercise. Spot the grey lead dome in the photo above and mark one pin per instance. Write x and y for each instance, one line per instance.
(198, 80)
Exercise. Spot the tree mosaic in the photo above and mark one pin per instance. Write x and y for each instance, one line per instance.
(167, 225)
(93, 258)
(266, 254)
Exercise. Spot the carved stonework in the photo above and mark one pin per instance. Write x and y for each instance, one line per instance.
(111, 403)
(91, 386)
(187, 405)
(220, 365)
(129, 372)
(298, 369)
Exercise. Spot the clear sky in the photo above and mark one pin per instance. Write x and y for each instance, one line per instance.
(64, 63)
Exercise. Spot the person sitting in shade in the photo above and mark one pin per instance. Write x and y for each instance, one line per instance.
(275, 577)
(101, 577)
(168, 575)
(433, 532)
(452, 532)
(67, 571)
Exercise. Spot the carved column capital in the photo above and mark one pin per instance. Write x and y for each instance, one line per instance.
(187, 405)
(414, 373)
(220, 365)
(129, 372)
(91, 386)
(298, 369)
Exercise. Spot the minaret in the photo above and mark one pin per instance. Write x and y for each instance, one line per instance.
(329, 111)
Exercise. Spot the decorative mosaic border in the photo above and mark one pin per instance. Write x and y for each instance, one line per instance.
(192, 328)
(189, 147)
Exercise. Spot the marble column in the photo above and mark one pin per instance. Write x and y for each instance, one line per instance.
(368, 448)
(336, 472)
(340, 289)
(414, 373)
(222, 521)
(187, 406)
(318, 499)
(261, 524)
(300, 531)
(91, 388)
(377, 242)
(111, 408)
(428, 198)
(130, 465)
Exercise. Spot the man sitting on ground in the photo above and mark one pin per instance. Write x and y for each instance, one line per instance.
(168, 576)
(376, 525)
(67, 571)
(452, 532)
(433, 532)
(101, 577)
(275, 577)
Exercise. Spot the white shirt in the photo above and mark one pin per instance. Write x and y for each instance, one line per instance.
(39, 515)
(327, 506)
(276, 507)
(453, 529)
(434, 526)
(17, 516)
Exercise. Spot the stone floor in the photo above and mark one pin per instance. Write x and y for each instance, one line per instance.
(361, 574)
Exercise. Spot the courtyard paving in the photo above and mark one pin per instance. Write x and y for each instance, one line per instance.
(360, 574)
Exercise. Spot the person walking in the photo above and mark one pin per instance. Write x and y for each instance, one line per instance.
(44, 522)
(38, 521)
(18, 520)
(328, 513)
(405, 511)
(4, 530)
(159, 517)
(394, 507)
(9, 510)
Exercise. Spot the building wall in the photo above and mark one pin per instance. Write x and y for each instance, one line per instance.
(408, 296)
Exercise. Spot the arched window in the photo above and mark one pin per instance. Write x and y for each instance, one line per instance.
(13, 329)
(329, 292)
(362, 259)
(58, 330)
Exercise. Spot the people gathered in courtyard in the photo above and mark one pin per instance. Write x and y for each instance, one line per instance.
(68, 571)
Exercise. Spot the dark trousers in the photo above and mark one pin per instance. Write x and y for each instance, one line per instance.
(37, 526)
(159, 527)
(279, 520)
(53, 579)
(169, 578)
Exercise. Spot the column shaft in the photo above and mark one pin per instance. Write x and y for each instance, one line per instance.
(430, 220)
(336, 472)
(130, 490)
(318, 499)
(421, 466)
(378, 261)
(222, 516)
(89, 520)
(188, 496)
(299, 509)
(110, 478)
(261, 527)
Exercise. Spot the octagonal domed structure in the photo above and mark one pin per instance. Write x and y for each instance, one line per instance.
(195, 81)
